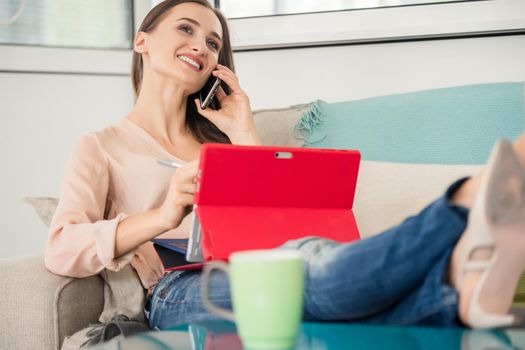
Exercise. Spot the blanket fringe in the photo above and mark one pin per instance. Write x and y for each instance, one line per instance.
(308, 122)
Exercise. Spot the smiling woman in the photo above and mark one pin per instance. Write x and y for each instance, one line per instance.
(116, 198)
(184, 28)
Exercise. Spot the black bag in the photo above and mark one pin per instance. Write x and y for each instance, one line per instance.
(119, 324)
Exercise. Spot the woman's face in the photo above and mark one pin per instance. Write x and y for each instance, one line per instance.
(185, 45)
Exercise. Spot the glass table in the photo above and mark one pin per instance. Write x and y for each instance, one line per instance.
(222, 335)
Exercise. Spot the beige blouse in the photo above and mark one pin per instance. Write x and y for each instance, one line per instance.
(111, 174)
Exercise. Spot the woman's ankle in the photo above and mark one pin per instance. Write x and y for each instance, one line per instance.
(464, 195)
(519, 148)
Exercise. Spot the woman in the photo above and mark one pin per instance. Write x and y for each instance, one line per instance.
(431, 269)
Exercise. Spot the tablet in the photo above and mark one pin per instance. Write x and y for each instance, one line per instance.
(259, 197)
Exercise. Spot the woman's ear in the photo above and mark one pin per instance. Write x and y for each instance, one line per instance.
(139, 44)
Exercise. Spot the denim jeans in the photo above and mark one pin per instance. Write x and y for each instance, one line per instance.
(398, 277)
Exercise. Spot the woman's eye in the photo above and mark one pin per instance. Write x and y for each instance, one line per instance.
(186, 29)
(213, 45)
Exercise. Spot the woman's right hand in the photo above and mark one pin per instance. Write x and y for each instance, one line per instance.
(179, 199)
(138, 229)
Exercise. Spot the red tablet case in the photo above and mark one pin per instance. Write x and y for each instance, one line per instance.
(259, 197)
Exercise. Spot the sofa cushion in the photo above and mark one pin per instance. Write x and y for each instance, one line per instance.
(40, 308)
(389, 192)
(44, 207)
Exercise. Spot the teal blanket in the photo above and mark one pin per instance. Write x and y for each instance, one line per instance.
(456, 125)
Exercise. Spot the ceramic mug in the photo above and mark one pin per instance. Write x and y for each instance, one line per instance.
(267, 296)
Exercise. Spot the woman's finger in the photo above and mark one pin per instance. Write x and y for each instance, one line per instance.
(186, 200)
(187, 172)
(229, 80)
(221, 94)
(207, 113)
(220, 66)
(186, 188)
(227, 73)
(180, 181)
(192, 166)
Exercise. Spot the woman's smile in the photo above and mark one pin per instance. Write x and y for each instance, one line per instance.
(191, 61)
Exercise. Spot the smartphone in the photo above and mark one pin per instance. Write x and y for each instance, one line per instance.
(208, 92)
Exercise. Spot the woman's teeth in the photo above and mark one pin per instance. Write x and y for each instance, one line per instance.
(190, 61)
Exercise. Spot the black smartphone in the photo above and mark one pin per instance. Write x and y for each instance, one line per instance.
(208, 92)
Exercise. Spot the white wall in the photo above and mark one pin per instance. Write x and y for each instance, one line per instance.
(44, 115)
(292, 76)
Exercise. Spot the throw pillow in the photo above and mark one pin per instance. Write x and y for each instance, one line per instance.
(275, 126)
(44, 206)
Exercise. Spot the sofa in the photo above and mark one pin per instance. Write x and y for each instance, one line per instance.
(42, 309)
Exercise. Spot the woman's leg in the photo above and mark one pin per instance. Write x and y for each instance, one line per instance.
(490, 257)
(402, 274)
(375, 278)
(343, 281)
(177, 299)
(361, 279)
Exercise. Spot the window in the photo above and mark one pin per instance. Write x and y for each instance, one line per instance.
(386, 22)
(255, 8)
(98, 24)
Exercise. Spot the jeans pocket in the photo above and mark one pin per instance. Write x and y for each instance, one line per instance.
(167, 282)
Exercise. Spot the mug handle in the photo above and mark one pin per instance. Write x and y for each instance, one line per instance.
(208, 305)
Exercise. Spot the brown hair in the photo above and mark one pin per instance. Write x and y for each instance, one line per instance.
(200, 127)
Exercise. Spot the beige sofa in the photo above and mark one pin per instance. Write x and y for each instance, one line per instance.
(41, 309)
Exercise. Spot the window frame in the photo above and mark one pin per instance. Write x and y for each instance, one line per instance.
(430, 21)
(61, 60)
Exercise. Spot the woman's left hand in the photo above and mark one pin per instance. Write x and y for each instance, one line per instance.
(234, 118)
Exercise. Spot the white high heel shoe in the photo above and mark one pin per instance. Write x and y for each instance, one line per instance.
(496, 222)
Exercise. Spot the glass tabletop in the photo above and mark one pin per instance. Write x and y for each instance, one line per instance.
(219, 335)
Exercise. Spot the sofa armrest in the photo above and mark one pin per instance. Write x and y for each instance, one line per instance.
(40, 308)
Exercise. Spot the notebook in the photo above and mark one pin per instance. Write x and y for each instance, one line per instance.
(172, 253)
(181, 254)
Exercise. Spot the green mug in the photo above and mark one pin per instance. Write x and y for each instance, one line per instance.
(267, 296)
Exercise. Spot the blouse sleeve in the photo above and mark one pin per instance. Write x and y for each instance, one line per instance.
(81, 241)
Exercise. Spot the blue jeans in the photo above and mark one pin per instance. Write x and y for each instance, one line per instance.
(398, 277)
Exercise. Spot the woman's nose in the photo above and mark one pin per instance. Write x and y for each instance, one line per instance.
(199, 46)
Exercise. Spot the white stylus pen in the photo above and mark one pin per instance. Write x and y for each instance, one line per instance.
(169, 163)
